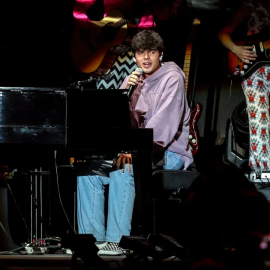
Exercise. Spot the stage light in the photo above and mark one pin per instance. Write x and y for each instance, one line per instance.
(241, 125)
(237, 137)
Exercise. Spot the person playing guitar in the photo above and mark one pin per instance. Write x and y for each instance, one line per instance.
(98, 38)
(256, 86)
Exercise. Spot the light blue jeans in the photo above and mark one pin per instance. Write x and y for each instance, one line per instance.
(90, 196)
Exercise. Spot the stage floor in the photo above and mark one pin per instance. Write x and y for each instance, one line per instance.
(63, 261)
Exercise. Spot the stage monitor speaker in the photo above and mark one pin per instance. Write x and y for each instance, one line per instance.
(240, 124)
(235, 153)
(237, 137)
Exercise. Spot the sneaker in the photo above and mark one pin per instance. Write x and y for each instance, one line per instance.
(251, 175)
(101, 244)
(111, 249)
(259, 177)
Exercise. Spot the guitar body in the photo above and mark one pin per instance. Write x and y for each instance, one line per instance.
(195, 110)
(193, 133)
(238, 68)
(89, 45)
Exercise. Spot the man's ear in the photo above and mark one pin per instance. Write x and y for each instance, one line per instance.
(161, 57)
(134, 59)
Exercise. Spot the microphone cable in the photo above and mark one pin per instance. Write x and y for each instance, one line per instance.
(59, 194)
(19, 210)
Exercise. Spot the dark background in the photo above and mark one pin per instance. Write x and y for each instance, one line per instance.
(35, 42)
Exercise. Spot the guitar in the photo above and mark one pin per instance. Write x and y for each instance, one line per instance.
(238, 68)
(261, 45)
(89, 45)
(195, 109)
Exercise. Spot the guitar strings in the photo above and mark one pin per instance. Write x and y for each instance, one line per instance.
(120, 23)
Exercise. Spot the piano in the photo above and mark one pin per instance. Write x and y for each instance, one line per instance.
(74, 122)
(66, 118)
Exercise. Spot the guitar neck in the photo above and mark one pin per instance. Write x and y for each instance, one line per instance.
(120, 23)
(187, 61)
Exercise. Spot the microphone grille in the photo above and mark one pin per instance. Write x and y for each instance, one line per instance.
(139, 70)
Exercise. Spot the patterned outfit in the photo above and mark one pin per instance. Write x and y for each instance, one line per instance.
(256, 89)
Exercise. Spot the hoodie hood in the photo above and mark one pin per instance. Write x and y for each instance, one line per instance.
(164, 70)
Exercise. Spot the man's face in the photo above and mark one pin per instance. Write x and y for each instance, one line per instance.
(148, 61)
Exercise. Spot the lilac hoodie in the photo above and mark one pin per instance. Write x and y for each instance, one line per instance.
(160, 103)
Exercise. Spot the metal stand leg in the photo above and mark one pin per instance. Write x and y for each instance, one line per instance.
(36, 207)
(40, 203)
(31, 208)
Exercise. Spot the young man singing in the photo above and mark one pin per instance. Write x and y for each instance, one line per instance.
(158, 102)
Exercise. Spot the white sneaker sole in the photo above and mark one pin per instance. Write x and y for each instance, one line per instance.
(111, 253)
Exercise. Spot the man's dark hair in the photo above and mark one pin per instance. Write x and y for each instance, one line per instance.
(147, 40)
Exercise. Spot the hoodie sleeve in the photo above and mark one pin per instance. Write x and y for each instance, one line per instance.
(124, 84)
(170, 112)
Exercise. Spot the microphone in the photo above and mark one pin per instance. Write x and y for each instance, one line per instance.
(79, 84)
(104, 77)
(132, 87)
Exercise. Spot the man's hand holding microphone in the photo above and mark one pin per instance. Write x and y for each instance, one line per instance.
(133, 80)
